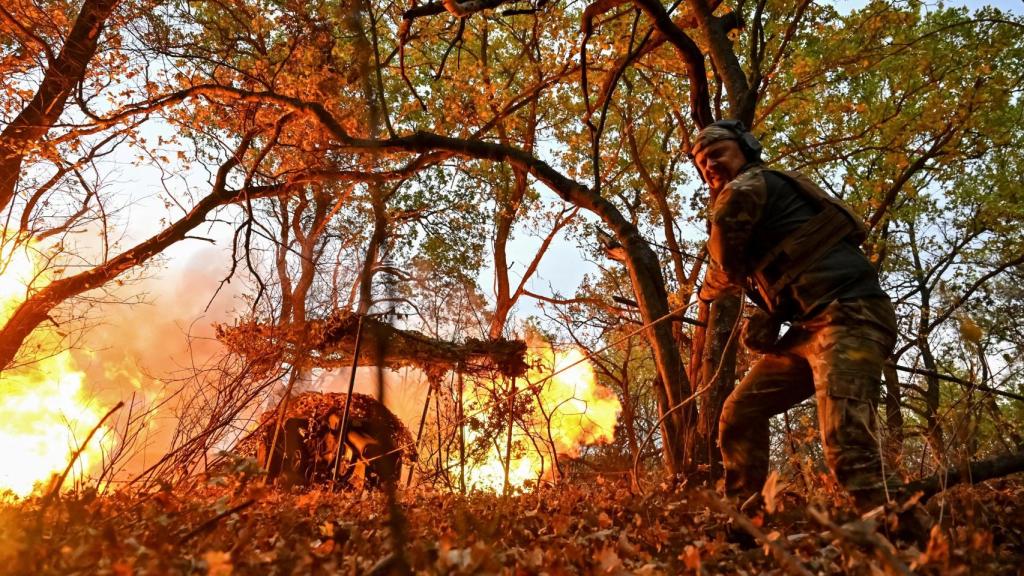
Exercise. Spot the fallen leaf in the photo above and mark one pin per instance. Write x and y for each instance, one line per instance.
(770, 492)
(560, 523)
(534, 558)
(626, 548)
(691, 558)
(327, 529)
(324, 549)
(122, 568)
(608, 560)
(218, 563)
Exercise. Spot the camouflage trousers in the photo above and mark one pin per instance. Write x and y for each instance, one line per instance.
(837, 356)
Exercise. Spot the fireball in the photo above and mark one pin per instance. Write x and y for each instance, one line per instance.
(44, 415)
(568, 410)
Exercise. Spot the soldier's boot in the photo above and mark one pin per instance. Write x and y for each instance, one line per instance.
(753, 507)
(908, 522)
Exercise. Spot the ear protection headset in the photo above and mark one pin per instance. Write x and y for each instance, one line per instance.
(748, 143)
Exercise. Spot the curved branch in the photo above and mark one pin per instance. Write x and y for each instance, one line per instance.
(700, 100)
(46, 106)
(965, 383)
(971, 289)
(916, 166)
(455, 8)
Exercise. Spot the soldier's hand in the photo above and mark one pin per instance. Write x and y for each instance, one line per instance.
(761, 332)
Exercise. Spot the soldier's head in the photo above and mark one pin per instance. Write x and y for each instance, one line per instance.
(722, 149)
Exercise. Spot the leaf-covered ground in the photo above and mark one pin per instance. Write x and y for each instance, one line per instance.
(232, 525)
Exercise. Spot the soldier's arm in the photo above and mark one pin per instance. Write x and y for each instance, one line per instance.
(716, 283)
(737, 209)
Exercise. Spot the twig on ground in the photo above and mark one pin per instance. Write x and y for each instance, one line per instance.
(213, 521)
(385, 565)
(785, 559)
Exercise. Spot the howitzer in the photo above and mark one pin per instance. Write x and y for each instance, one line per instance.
(375, 444)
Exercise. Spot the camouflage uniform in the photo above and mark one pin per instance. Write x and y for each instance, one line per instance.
(843, 327)
(837, 356)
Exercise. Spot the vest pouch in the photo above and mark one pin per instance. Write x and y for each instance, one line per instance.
(834, 223)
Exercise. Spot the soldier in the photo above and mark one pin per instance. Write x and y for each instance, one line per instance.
(795, 249)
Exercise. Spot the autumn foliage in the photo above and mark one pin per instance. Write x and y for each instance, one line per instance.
(231, 525)
(395, 193)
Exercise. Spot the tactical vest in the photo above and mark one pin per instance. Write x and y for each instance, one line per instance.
(834, 223)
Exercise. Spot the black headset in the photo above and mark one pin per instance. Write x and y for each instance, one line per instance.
(748, 143)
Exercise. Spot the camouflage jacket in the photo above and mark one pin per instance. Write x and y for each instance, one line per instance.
(756, 211)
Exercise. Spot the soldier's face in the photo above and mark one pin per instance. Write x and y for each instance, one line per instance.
(720, 162)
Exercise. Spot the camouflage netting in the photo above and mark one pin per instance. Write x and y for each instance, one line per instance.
(329, 343)
(366, 415)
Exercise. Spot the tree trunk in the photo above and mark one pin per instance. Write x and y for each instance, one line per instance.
(378, 201)
(628, 409)
(281, 261)
(295, 301)
(932, 397)
(893, 417)
(718, 374)
(309, 255)
(504, 218)
(507, 210)
(672, 385)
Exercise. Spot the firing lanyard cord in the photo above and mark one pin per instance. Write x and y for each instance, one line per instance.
(696, 393)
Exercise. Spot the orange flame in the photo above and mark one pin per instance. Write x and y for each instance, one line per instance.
(569, 410)
(43, 414)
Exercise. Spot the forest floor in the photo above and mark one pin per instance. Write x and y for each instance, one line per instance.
(232, 525)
